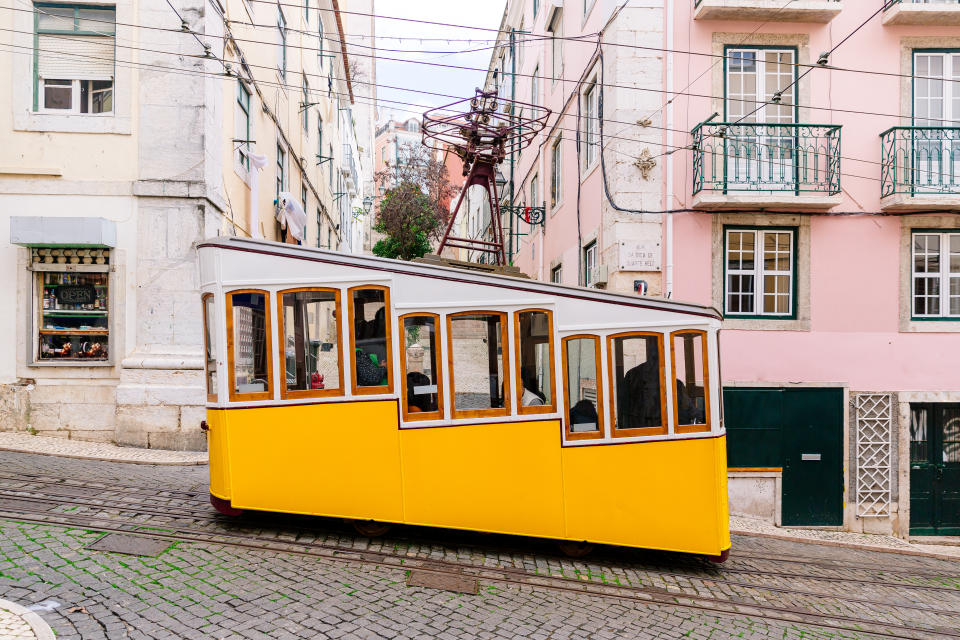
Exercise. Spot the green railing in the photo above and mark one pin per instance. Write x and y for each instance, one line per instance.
(920, 160)
(766, 157)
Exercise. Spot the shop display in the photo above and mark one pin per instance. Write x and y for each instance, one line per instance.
(73, 316)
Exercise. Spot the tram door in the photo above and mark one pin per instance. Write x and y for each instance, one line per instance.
(935, 469)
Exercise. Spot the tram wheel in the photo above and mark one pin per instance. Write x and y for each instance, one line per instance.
(720, 558)
(224, 506)
(574, 549)
(371, 528)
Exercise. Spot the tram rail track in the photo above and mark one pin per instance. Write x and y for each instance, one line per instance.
(514, 576)
(54, 499)
(152, 493)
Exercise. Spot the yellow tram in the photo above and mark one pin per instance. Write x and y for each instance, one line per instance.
(468, 400)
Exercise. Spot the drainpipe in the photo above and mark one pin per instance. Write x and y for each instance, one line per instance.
(668, 288)
(513, 96)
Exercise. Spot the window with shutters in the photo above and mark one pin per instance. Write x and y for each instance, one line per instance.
(74, 58)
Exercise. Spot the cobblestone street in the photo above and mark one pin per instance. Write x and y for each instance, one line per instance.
(286, 577)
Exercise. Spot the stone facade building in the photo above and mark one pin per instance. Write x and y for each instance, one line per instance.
(132, 131)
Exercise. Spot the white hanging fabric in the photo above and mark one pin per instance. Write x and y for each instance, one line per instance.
(291, 215)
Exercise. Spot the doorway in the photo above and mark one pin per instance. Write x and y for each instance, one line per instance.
(935, 469)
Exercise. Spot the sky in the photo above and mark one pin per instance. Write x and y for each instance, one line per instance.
(458, 82)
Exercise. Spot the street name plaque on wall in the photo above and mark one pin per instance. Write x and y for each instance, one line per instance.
(639, 255)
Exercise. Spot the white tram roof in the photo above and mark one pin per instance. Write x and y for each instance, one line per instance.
(244, 268)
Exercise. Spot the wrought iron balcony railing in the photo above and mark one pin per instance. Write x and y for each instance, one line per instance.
(920, 160)
(801, 159)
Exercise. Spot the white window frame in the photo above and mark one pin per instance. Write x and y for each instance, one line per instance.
(556, 274)
(591, 124)
(281, 43)
(943, 276)
(534, 190)
(761, 97)
(535, 85)
(305, 87)
(589, 262)
(555, 28)
(281, 169)
(759, 272)
(75, 98)
(243, 148)
(556, 173)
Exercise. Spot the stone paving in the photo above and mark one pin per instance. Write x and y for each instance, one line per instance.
(211, 590)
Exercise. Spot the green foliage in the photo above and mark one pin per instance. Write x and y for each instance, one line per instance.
(408, 218)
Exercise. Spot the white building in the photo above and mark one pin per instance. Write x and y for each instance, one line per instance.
(132, 131)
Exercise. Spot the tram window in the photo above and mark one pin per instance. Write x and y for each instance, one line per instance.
(581, 382)
(535, 385)
(420, 362)
(478, 364)
(210, 346)
(636, 368)
(310, 339)
(248, 336)
(691, 396)
(370, 339)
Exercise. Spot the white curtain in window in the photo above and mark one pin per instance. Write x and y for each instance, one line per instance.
(75, 57)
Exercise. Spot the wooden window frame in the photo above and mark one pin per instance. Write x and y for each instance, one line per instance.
(290, 394)
(690, 428)
(504, 339)
(518, 383)
(211, 397)
(438, 346)
(601, 431)
(387, 311)
(233, 395)
(616, 432)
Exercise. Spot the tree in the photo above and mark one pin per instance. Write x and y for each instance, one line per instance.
(412, 211)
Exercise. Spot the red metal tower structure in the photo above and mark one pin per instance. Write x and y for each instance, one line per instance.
(481, 137)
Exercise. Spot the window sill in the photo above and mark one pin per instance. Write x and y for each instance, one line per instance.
(71, 123)
(763, 323)
(588, 170)
(931, 325)
(101, 363)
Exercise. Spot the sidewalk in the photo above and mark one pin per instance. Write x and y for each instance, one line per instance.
(45, 445)
(19, 623)
(865, 541)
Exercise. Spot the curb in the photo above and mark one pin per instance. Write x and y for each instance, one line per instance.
(102, 458)
(847, 545)
(40, 628)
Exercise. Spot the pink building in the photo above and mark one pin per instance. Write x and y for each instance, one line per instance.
(796, 165)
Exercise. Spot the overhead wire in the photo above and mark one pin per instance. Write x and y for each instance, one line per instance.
(321, 76)
(419, 107)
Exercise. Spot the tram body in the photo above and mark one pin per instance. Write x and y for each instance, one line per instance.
(380, 390)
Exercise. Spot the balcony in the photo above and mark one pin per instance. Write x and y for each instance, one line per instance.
(754, 10)
(920, 168)
(930, 12)
(795, 166)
